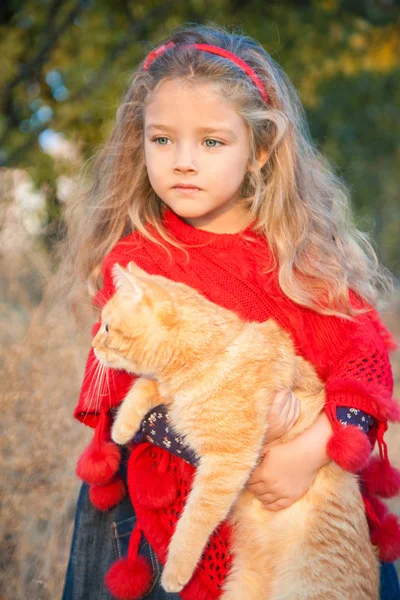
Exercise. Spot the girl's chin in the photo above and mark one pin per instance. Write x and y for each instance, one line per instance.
(189, 209)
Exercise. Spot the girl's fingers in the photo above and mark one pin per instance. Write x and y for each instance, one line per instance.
(257, 488)
(289, 402)
(287, 416)
(256, 477)
(278, 504)
(298, 410)
(279, 404)
(294, 412)
(263, 491)
(268, 498)
(290, 408)
(286, 410)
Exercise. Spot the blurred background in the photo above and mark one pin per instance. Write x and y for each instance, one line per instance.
(64, 66)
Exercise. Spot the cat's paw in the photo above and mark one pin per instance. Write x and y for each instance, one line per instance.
(176, 575)
(122, 432)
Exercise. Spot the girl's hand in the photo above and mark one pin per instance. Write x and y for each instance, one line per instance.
(283, 414)
(288, 470)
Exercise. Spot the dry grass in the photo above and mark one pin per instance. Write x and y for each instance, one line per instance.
(43, 360)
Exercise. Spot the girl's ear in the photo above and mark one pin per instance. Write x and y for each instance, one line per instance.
(261, 159)
(127, 282)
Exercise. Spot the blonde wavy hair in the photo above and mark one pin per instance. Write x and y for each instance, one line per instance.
(299, 204)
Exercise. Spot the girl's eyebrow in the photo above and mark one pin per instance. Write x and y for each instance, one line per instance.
(223, 130)
(204, 130)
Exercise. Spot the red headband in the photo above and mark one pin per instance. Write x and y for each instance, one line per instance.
(213, 50)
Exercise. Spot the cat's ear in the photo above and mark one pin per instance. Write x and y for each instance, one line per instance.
(135, 270)
(128, 283)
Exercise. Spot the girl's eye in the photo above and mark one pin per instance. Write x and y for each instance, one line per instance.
(106, 327)
(161, 140)
(212, 144)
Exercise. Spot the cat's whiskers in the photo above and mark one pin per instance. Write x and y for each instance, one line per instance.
(96, 384)
(107, 382)
(102, 376)
(93, 370)
(97, 387)
(98, 376)
(90, 370)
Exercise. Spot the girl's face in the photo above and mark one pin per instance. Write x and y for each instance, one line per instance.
(194, 137)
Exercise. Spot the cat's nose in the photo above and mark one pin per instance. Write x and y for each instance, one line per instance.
(99, 355)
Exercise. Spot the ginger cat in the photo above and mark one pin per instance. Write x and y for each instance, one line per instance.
(218, 375)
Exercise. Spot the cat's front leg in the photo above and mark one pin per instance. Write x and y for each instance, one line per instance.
(142, 396)
(217, 484)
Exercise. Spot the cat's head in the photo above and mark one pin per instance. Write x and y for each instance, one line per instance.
(137, 323)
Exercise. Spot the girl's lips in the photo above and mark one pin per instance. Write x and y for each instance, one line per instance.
(186, 189)
(186, 186)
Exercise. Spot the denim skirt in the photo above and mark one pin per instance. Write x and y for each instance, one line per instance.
(100, 538)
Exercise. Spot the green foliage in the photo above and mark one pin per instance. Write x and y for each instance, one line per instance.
(65, 65)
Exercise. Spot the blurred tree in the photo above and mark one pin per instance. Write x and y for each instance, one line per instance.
(65, 64)
(54, 80)
(344, 60)
(50, 69)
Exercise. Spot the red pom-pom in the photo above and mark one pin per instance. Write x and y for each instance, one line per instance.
(350, 448)
(98, 462)
(376, 510)
(387, 537)
(381, 479)
(128, 580)
(107, 495)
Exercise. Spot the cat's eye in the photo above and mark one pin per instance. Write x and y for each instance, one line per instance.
(106, 327)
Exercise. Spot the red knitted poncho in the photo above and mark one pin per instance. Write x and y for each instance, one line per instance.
(351, 357)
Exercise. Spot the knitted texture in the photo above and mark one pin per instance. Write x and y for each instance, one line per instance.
(236, 271)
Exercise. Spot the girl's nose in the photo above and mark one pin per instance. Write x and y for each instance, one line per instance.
(185, 161)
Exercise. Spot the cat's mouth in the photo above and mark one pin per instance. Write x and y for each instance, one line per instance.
(101, 357)
(113, 362)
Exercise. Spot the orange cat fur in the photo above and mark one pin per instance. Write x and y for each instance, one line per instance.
(218, 375)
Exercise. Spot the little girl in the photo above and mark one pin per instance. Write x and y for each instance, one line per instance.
(209, 178)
